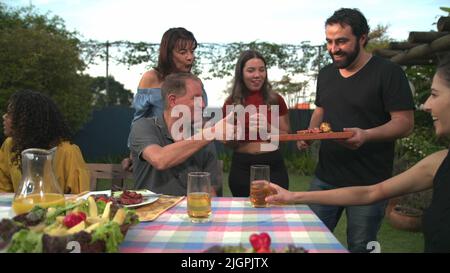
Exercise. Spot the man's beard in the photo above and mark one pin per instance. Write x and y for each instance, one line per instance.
(348, 59)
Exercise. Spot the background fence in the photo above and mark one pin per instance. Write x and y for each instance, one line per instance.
(104, 137)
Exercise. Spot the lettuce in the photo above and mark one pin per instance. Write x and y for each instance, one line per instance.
(26, 241)
(100, 206)
(131, 217)
(111, 234)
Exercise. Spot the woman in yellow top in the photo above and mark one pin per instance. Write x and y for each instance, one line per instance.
(33, 120)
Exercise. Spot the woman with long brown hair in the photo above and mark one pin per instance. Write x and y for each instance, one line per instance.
(251, 87)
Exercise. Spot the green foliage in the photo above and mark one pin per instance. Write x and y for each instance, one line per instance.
(446, 9)
(378, 38)
(116, 95)
(423, 141)
(301, 163)
(293, 92)
(215, 60)
(37, 52)
(226, 158)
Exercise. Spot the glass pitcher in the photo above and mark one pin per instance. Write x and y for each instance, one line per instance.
(38, 185)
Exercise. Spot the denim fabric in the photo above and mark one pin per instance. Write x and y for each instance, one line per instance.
(147, 103)
(363, 222)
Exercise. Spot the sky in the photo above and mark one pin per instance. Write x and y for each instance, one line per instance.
(212, 21)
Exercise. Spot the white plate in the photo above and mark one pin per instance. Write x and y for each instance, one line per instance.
(148, 196)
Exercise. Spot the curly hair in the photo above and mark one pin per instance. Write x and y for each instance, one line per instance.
(36, 123)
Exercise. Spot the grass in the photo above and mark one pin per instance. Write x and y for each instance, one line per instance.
(391, 240)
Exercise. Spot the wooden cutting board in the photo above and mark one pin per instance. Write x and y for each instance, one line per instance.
(151, 211)
(312, 136)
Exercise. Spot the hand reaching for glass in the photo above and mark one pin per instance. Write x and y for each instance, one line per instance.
(280, 195)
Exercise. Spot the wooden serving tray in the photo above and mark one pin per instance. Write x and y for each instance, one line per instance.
(312, 136)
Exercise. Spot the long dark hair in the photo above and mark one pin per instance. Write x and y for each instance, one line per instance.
(240, 91)
(173, 37)
(36, 122)
(443, 67)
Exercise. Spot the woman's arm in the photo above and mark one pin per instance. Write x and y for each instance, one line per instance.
(417, 178)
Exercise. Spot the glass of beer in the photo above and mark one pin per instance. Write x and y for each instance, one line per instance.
(198, 197)
(259, 185)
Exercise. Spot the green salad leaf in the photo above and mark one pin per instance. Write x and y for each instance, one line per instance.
(26, 241)
(111, 234)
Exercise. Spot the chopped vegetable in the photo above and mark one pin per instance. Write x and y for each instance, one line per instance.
(74, 218)
(93, 212)
(111, 234)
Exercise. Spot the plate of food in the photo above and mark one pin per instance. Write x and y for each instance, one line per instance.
(132, 199)
(80, 225)
(126, 198)
(322, 132)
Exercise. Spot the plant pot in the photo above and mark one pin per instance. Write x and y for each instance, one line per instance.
(405, 218)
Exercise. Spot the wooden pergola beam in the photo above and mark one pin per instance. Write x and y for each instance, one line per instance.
(425, 37)
(424, 50)
(386, 52)
(401, 45)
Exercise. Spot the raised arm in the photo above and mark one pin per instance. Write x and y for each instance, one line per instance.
(417, 178)
(166, 157)
(172, 155)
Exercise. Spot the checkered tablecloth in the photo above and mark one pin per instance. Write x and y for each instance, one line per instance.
(233, 221)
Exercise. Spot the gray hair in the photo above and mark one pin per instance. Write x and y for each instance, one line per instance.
(176, 84)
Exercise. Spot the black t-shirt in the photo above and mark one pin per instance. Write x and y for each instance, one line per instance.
(436, 219)
(363, 100)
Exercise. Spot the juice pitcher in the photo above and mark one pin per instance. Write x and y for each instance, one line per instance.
(38, 185)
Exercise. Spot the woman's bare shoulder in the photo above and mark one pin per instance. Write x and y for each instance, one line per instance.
(150, 79)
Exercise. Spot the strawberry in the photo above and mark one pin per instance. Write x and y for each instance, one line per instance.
(260, 242)
(74, 218)
(255, 241)
(263, 250)
(265, 240)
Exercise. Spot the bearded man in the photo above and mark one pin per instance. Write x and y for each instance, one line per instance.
(371, 97)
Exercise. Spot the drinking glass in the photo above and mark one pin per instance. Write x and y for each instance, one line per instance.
(259, 185)
(198, 197)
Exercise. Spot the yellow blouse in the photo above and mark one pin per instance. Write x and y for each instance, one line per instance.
(70, 169)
